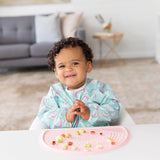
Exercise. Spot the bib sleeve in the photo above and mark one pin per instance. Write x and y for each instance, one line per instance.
(50, 113)
(104, 106)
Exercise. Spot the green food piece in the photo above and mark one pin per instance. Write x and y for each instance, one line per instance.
(77, 133)
(87, 145)
(65, 147)
(68, 135)
(82, 131)
(60, 140)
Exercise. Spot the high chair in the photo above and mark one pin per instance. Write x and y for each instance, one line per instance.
(124, 120)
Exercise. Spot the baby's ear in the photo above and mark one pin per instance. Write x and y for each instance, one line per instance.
(89, 66)
(55, 72)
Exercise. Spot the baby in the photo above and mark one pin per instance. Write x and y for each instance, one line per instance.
(76, 101)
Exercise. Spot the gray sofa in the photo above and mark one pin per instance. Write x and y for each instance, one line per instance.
(18, 47)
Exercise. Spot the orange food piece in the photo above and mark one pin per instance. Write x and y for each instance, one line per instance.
(70, 143)
(113, 143)
(63, 135)
(109, 139)
(92, 132)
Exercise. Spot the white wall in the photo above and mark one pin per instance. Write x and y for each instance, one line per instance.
(135, 18)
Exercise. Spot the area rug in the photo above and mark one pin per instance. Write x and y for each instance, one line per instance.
(135, 82)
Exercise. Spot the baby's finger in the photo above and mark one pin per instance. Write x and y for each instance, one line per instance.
(80, 104)
(73, 108)
(76, 107)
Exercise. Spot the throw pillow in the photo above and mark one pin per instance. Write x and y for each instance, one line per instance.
(70, 23)
(47, 28)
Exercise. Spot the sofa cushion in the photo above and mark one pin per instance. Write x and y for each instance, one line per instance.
(70, 23)
(47, 28)
(24, 62)
(19, 29)
(40, 49)
(13, 51)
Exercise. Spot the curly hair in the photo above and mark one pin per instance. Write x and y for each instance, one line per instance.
(66, 43)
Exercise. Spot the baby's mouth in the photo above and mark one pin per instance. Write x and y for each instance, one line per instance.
(70, 75)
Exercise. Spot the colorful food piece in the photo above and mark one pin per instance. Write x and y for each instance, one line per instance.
(82, 131)
(87, 149)
(68, 135)
(92, 132)
(70, 143)
(63, 135)
(53, 142)
(111, 141)
(74, 148)
(88, 145)
(99, 146)
(65, 147)
(77, 133)
(101, 133)
(59, 139)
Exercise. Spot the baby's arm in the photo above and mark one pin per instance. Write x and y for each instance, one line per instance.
(104, 107)
(51, 114)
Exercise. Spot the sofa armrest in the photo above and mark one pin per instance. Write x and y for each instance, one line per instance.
(80, 33)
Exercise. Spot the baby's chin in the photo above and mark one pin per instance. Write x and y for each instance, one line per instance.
(72, 87)
(73, 83)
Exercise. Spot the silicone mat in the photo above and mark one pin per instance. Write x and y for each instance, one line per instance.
(94, 140)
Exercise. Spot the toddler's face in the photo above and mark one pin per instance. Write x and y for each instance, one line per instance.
(71, 67)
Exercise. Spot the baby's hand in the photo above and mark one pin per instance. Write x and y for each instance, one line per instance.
(82, 110)
(71, 113)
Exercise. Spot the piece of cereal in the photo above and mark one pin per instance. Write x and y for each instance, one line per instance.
(68, 135)
(88, 145)
(59, 139)
(63, 135)
(53, 142)
(110, 140)
(74, 147)
(65, 147)
(113, 143)
(70, 143)
(99, 146)
(77, 133)
(87, 149)
(92, 132)
(82, 131)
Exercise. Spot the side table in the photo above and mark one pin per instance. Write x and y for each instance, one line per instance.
(102, 37)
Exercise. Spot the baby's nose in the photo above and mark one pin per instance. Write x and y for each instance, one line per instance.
(69, 68)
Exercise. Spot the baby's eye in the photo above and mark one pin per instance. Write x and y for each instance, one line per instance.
(62, 66)
(75, 63)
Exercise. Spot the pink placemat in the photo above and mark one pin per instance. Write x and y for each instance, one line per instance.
(94, 140)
